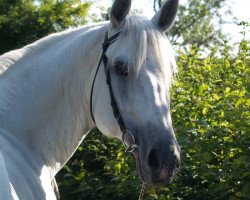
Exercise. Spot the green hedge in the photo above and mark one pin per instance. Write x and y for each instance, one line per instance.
(210, 112)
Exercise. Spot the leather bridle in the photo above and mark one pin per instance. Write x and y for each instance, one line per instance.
(128, 138)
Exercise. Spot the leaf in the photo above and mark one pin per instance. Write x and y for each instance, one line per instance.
(227, 90)
(238, 103)
(239, 194)
(246, 188)
(204, 110)
(206, 157)
(222, 113)
(216, 96)
(227, 63)
(246, 174)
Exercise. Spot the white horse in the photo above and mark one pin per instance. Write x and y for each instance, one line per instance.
(50, 89)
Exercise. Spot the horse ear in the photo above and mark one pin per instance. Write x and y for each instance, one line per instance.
(164, 18)
(119, 11)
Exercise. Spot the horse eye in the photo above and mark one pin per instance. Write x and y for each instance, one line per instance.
(121, 69)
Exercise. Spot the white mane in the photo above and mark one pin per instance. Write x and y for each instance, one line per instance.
(11, 58)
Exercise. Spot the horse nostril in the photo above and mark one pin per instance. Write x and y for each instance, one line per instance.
(153, 160)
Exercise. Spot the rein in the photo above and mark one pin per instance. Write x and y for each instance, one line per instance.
(128, 138)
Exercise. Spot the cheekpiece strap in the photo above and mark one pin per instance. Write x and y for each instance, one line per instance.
(106, 43)
(130, 145)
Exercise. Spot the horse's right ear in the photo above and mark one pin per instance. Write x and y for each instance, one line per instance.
(119, 11)
(164, 18)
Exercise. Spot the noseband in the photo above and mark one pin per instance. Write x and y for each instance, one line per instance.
(128, 138)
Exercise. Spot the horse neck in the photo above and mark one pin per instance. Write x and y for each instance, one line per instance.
(46, 97)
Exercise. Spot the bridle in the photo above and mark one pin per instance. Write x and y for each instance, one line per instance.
(128, 138)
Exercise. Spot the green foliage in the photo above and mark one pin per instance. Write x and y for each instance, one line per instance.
(24, 21)
(210, 111)
(198, 23)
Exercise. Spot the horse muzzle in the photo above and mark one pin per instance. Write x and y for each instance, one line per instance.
(159, 164)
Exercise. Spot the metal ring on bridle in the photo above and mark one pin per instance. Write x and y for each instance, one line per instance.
(129, 147)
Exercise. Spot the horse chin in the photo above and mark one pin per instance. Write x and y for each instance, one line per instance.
(139, 166)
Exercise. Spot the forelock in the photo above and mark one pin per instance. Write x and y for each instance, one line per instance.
(142, 36)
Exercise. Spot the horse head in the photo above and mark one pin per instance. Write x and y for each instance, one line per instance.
(136, 77)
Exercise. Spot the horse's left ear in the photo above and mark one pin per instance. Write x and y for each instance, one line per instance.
(164, 18)
(119, 11)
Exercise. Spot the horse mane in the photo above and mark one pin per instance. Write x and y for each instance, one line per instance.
(142, 36)
(11, 58)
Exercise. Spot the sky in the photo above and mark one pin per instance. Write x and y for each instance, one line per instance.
(240, 9)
